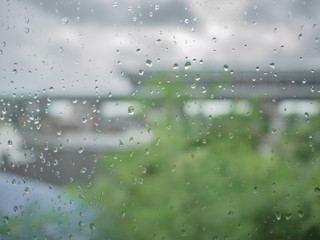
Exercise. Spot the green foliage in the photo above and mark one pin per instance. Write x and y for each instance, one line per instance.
(206, 179)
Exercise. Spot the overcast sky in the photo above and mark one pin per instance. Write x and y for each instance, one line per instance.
(81, 47)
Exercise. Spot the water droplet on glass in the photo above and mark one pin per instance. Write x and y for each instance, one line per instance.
(300, 36)
(131, 110)
(187, 65)
(278, 216)
(317, 191)
(316, 40)
(26, 30)
(288, 216)
(141, 72)
(149, 63)
(300, 213)
(61, 49)
(92, 227)
(80, 149)
(9, 143)
(257, 68)
(306, 115)
(226, 68)
(83, 170)
(272, 65)
(64, 20)
(156, 7)
(6, 219)
(157, 141)
(175, 66)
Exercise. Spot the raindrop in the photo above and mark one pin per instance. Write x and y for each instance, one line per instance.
(156, 7)
(306, 115)
(80, 149)
(61, 49)
(300, 213)
(64, 20)
(157, 141)
(300, 36)
(83, 170)
(92, 227)
(187, 65)
(316, 40)
(272, 65)
(149, 63)
(288, 216)
(278, 216)
(317, 191)
(131, 110)
(9, 143)
(6, 219)
(257, 68)
(141, 72)
(175, 66)
(26, 30)
(226, 68)
(120, 143)
(109, 94)
(197, 77)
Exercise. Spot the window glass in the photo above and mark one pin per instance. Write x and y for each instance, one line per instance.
(159, 119)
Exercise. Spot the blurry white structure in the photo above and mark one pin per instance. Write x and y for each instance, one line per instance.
(11, 146)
